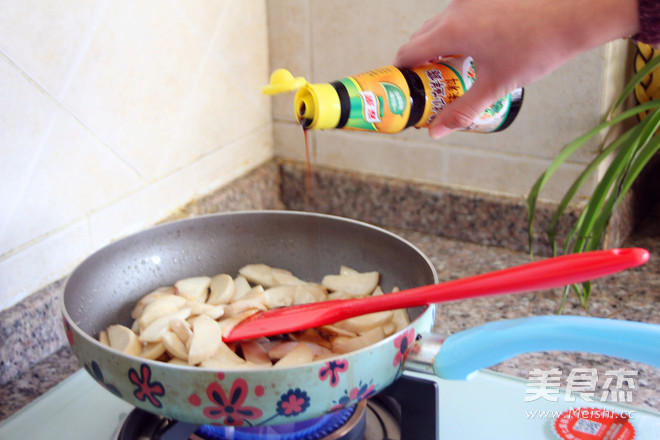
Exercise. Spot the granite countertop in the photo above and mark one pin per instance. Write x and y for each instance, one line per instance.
(631, 295)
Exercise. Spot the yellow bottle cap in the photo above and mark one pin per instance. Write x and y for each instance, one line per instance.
(318, 105)
(281, 81)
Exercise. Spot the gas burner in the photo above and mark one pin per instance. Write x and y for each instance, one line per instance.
(407, 410)
(346, 424)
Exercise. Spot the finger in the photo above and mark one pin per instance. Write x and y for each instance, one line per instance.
(424, 46)
(462, 112)
(415, 53)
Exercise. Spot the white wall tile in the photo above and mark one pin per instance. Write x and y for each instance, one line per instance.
(47, 260)
(134, 79)
(160, 199)
(114, 115)
(224, 102)
(55, 170)
(47, 39)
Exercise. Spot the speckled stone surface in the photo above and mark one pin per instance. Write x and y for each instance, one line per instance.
(462, 233)
(451, 213)
(30, 331)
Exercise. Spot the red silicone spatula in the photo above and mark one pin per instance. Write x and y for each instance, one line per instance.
(538, 275)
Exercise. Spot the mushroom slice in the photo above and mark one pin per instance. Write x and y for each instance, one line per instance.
(149, 298)
(103, 338)
(160, 307)
(283, 277)
(194, 288)
(256, 294)
(301, 354)
(364, 323)
(252, 293)
(229, 323)
(238, 307)
(205, 341)
(224, 357)
(281, 349)
(356, 285)
(330, 332)
(153, 350)
(342, 344)
(389, 328)
(174, 346)
(312, 336)
(400, 319)
(319, 351)
(255, 353)
(339, 295)
(182, 328)
(258, 274)
(309, 293)
(345, 270)
(268, 276)
(222, 289)
(213, 312)
(155, 330)
(241, 287)
(123, 339)
(279, 296)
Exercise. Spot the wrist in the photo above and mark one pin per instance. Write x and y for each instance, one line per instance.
(596, 22)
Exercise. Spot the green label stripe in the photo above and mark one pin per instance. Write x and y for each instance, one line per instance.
(356, 115)
(396, 99)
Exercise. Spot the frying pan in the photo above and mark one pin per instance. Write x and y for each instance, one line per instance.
(103, 289)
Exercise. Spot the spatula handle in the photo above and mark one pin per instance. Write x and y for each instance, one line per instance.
(538, 275)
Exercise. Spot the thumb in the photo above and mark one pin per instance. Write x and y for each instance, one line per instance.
(463, 111)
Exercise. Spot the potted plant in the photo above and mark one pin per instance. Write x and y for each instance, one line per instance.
(628, 153)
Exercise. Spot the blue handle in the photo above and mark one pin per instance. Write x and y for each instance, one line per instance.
(468, 351)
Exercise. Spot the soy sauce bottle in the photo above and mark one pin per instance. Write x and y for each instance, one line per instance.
(390, 99)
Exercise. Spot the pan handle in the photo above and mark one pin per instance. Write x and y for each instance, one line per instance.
(471, 350)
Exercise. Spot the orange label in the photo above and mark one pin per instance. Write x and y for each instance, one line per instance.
(380, 100)
(442, 85)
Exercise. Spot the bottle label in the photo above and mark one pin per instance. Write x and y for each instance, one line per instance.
(379, 100)
(450, 78)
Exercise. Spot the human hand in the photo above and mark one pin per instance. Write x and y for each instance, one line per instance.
(513, 43)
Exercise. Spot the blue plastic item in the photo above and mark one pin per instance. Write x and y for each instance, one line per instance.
(468, 351)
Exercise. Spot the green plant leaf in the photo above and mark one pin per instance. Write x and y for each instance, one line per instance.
(552, 229)
(629, 154)
(564, 154)
(640, 153)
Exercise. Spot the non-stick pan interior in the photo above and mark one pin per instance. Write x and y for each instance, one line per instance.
(104, 288)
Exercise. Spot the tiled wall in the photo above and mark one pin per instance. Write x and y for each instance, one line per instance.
(113, 113)
(325, 41)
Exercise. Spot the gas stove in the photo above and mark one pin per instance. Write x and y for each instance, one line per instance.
(416, 407)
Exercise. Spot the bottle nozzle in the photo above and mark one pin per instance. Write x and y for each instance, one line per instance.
(282, 81)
